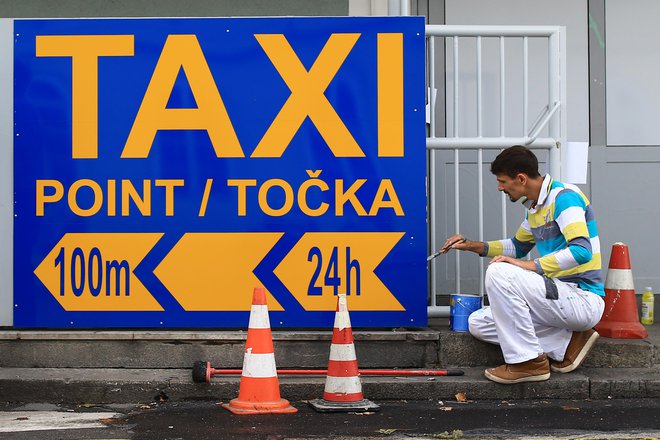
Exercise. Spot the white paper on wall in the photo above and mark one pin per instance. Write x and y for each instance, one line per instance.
(574, 160)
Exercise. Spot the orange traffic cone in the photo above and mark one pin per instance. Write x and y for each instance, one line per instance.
(259, 391)
(343, 390)
(620, 319)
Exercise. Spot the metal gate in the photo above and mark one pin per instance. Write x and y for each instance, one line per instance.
(546, 132)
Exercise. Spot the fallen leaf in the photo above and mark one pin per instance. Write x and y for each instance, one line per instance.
(455, 434)
(461, 397)
(386, 431)
(22, 418)
(366, 413)
(109, 421)
(570, 408)
(445, 408)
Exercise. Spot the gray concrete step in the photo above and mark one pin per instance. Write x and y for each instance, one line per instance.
(461, 349)
(145, 366)
(417, 348)
(180, 349)
(79, 385)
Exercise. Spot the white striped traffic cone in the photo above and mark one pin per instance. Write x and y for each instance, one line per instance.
(620, 319)
(259, 392)
(343, 390)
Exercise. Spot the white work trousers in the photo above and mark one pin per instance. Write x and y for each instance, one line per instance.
(524, 322)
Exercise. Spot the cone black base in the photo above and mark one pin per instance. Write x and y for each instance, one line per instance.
(322, 405)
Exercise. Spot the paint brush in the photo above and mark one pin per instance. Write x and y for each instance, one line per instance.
(444, 249)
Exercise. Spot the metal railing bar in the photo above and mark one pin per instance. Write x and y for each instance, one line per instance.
(455, 97)
(544, 111)
(552, 68)
(495, 143)
(405, 8)
(457, 217)
(480, 182)
(546, 119)
(432, 164)
(502, 89)
(562, 130)
(525, 83)
(480, 177)
(499, 142)
(437, 311)
(432, 84)
(479, 98)
(440, 30)
(553, 95)
(432, 219)
(456, 166)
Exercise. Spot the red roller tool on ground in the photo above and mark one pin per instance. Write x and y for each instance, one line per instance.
(202, 371)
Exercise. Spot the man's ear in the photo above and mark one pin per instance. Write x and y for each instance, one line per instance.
(522, 178)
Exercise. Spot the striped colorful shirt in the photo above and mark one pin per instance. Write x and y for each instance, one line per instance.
(563, 227)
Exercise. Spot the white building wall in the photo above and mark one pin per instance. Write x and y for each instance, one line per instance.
(633, 72)
(368, 8)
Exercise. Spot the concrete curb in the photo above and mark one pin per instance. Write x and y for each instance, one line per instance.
(421, 348)
(79, 385)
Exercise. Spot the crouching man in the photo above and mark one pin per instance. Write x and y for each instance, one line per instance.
(541, 311)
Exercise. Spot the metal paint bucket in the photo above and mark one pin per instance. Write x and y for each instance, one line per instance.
(460, 308)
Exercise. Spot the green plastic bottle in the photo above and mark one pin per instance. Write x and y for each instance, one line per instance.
(647, 306)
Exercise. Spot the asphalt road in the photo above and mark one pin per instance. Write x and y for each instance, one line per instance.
(427, 419)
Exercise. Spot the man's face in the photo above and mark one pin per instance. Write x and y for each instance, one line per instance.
(512, 187)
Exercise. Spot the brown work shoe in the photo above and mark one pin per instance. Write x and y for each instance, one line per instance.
(580, 345)
(533, 370)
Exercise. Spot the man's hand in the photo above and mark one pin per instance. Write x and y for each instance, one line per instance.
(454, 242)
(525, 264)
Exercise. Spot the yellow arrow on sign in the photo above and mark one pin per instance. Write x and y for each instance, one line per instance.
(324, 263)
(214, 271)
(88, 272)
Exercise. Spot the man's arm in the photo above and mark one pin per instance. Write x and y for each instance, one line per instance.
(459, 242)
(508, 250)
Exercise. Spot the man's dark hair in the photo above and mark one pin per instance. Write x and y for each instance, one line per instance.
(515, 160)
